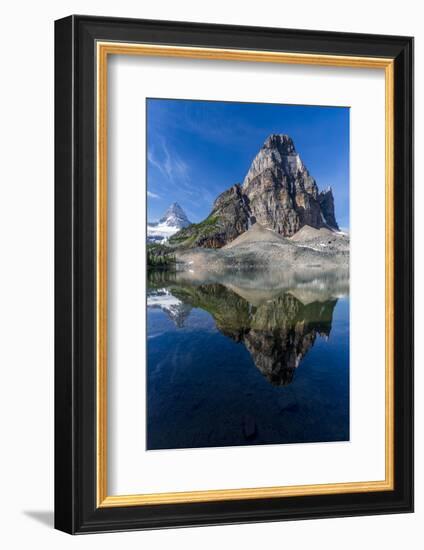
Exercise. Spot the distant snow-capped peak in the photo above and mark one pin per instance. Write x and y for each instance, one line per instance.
(175, 216)
(170, 223)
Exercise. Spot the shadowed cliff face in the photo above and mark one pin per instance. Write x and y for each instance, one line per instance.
(277, 328)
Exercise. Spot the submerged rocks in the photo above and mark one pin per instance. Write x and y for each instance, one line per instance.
(249, 427)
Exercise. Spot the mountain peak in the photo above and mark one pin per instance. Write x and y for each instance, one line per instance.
(278, 193)
(278, 156)
(175, 216)
(170, 223)
(281, 142)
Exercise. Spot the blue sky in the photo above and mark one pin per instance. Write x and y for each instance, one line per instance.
(197, 149)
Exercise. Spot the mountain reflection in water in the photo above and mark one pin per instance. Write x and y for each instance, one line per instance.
(278, 321)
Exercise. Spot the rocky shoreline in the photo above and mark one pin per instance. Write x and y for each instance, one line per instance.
(261, 248)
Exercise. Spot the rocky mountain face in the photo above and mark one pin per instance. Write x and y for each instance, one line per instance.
(170, 223)
(229, 218)
(278, 192)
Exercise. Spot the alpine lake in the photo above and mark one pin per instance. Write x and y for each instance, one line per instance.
(247, 358)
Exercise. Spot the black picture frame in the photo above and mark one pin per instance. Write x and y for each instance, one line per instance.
(76, 510)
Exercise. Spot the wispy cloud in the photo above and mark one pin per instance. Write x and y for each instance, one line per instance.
(176, 175)
(154, 161)
(169, 165)
(152, 195)
(176, 169)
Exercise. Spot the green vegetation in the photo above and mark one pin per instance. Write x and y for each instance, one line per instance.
(230, 311)
(209, 221)
(159, 278)
(196, 232)
(160, 257)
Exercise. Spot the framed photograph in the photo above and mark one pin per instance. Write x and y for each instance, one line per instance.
(234, 274)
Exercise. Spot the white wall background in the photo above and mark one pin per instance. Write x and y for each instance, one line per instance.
(26, 275)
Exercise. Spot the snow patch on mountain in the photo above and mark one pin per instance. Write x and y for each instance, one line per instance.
(170, 223)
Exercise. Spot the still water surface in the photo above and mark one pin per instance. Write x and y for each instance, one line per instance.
(246, 362)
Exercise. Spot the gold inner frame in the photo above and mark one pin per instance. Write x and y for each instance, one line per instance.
(104, 49)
